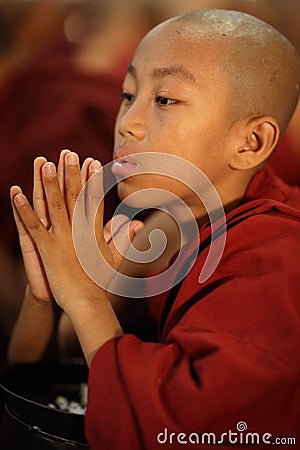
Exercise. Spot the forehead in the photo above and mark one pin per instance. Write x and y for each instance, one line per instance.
(169, 50)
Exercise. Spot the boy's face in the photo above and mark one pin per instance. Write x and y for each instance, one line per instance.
(175, 100)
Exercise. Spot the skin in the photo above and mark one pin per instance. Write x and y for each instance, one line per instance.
(235, 136)
(191, 116)
(52, 269)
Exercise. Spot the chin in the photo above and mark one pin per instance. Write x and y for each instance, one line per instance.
(143, 198)
(136, 199)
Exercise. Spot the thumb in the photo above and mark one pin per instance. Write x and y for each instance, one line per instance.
(134, 227)
(122, 232)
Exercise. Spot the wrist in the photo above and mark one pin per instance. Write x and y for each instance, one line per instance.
(94, 322)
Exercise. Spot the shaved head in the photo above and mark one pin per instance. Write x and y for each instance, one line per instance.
(260, 64)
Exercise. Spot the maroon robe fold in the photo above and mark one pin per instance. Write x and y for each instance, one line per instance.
(228, 351)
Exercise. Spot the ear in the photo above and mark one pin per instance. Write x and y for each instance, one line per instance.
(260, 136)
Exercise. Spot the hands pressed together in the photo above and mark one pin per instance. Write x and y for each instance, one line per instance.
(52, 267)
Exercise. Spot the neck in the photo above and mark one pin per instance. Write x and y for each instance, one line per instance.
(211, 203)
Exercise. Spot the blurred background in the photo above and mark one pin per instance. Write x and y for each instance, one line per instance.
(61, 67)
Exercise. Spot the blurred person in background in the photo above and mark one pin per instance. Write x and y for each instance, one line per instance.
(28, 30)
(61, 68)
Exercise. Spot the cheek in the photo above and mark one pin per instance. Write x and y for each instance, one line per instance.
(171, 136)
(203, 139)
(186, 141)
(117, 123)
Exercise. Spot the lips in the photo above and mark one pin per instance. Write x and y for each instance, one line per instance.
(124, 165)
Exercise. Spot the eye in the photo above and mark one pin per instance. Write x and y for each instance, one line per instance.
(126, 97)
(164, 101)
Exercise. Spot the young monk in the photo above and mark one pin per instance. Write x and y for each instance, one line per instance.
(216, 88)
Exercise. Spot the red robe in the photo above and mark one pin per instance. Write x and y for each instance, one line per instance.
(285, 161)
(228, 350)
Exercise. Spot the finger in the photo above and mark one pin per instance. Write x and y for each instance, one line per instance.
(61, 170)
(120, 232)
(113, 226)
(39, 198)
(95, 197)
(55, 201)
(72, 181)
(135, 227)
(85, 170)
(27, 244)
(26, 219)
(88, 213)
(22, 231)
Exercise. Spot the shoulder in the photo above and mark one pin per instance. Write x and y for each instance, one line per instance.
(253, 293)
(260, 259)
(262, 223)
(262, 237)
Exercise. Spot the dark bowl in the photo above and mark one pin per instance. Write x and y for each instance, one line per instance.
(26, 390)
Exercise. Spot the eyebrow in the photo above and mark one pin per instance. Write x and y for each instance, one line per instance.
(166, 71)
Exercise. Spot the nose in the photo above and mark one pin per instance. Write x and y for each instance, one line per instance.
(131, 122)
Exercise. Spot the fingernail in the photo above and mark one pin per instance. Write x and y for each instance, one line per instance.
(19, 200)
(72, 159)
(96, 165)
(138, 227)
(49, 170)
